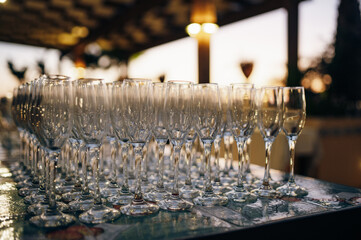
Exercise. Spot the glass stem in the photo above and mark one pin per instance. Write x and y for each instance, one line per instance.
(246, 155)
(22, 149)
(76, 157)
(35, 165)
(47, 177)
(42, 175)
(161, 147)
(113, 156)
(53, 160)
(144, 163)
(84, 160)
(94, 157)
(31, 158)
(208, 182)
(101, 163)
(217, 146)
(266, 177)
(66, 160)
(189, 145)
(175, 190)
(240, 146)
(125, 151)
(292, 145)
(138, 152)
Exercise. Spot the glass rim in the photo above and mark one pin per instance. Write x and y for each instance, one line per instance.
(81, 81)
(296, 87)
(137, 79)
(184, 82)
(55, 77)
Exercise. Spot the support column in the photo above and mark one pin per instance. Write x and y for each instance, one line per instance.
(203, 57)
(293, 78)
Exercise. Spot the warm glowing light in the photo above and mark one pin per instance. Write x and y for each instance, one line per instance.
(80, 72)
(2, 1)
(317, 85)
(193, 29)
(306, 83)
(327, 79)
(81, 32)
(209, 28)
(67, 39)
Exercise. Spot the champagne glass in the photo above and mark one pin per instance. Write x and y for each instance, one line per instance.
(269, 121)
(188, 190)
(294, 117)
(242, 107)
(208, 117)
(137, 112)
(161, 137)
(54, 128)
(111, 187)
(40, 200)
(33, 145)
(218, 185)
(124, 196)
(178, 122)
(92, 120)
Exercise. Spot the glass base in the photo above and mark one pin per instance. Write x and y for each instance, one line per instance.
(121, 199)
(64, 189)
(139, 208)
(40, 208)
(71, 196)
(189, 192)
(292, 190)
(52, 220)
(34, 198)
(23, 192)
(242, 197)
(265, 191)
(110, 191)
(227, 180)
(210, 200)
(21, 183)
(99, 214)
(250, 178)
(146, 187)
(168, 185)
(175, 203)
(156, 195)
(219, 189)
(82, 205)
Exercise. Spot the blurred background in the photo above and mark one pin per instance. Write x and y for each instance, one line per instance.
(313, 43)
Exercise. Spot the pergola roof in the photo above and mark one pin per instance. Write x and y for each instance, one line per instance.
(126, 25)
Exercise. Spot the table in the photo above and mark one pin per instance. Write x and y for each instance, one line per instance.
(279, 218)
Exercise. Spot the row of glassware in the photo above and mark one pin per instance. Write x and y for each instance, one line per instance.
(63, 123)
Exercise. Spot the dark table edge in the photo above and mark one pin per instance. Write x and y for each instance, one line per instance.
(332, 224)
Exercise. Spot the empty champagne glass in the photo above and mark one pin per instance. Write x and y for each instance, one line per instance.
(179, 97)
(92, 121)
(294, 117)
(54, 128)
(242, 107)
(188, 190)
(208, 117)
(124, 196)
(161, 137)
(137, 110)
(218, 185)
(269, 121)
